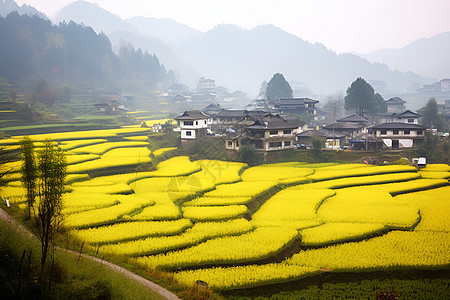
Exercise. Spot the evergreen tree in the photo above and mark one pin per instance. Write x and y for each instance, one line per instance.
(362, 98)
(29, 172)
(431, 118)
(278, 88)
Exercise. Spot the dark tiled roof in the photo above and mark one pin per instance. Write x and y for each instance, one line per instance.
(344, 126)
(353, 118)
(231, 113)
(295, 101)
(322, 133)
(408, 114)
(398, 126)
(395, 100)
(192, 115)
(270, 121)
(212, 106)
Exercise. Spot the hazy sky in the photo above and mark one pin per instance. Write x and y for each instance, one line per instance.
(341, 25)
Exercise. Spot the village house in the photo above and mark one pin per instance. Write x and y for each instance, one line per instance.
(267, 133)
(333, 140)
(395, 105)
(407, 116)
(353, 126)
(296, 106)
(109, 108)
(194, 125)
(396, 136)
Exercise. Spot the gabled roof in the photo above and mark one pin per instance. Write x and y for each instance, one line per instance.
(322, 133)
(295, 101)
(271, 121)
(231, 113)
(192, 115)
(400, 126)
(213, 106)
(408, 114)
(345, 126)
(353, 118)
(395, 100)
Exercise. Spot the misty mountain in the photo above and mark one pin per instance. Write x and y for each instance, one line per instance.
(239, 58)
(427, 56)
(149, 43)
(167, 30)
(242, 59)
(8, 6)
(92, 15)
(32, 47)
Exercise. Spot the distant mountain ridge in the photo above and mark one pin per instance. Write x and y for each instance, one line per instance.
(239, 58)
(167, 30)
(426, 56)
(8, 6)
(92, 15)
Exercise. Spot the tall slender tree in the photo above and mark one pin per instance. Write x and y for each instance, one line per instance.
(52, 167)
(29, 172)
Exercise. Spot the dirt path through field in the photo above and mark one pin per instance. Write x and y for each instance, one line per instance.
(153, 286)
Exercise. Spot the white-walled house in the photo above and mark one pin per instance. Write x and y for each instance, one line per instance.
(407, 116)
(193, 125)
(398, 135)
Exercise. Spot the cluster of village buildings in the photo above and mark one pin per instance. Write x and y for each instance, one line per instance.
(274, 125)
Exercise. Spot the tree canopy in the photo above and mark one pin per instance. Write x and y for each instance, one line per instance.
(361, 97)
(431, 118)
(278, 88)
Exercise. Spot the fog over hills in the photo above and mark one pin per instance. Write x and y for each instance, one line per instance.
(242, 58)
(167, 30)
(92, 15)
(8, 6)
(428, 56)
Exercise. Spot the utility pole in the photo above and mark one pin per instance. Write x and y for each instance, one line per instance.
(334, 120)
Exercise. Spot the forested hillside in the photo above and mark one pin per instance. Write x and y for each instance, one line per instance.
(33, 48)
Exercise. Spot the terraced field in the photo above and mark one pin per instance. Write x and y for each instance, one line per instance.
(236, 227)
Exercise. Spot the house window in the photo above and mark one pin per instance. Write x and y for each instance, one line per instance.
(196, 122)
(410, 120)
(287, 131)
(237, 143)
(205, 122)
(273, 132)
(230, 143)
(287, 143)
(383, 132)
(188, 133)
(406, 132)
(395, 132)
(188, 123)
(275, 144)
(419, 132)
